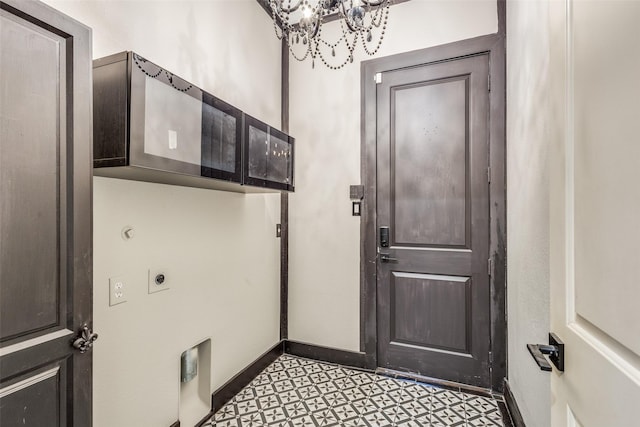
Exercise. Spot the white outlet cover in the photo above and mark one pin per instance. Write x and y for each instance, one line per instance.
(117, 290)
(153, 286)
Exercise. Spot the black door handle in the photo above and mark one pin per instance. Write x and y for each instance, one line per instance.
(555, 350)
(387, 258)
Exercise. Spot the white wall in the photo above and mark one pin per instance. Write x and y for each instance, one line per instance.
(219, 249)
(324, 258)
(529, 131)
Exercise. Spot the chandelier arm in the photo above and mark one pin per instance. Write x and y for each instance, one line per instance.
(316, 29)
(352, 28)
(374, 3)
(280, 6)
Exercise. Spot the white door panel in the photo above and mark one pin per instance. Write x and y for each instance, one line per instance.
(595, 212)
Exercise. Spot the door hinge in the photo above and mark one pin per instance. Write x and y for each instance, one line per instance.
(489, 82)
(491, 358)
(489, 174)
(378, 78)
(490, 266)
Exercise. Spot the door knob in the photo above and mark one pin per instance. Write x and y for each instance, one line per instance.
(387, 258)
(85, 339)
(555, 351)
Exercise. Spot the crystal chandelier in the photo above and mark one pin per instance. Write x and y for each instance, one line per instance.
(299, 22)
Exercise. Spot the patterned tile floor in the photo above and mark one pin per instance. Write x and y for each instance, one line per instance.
(296, 392)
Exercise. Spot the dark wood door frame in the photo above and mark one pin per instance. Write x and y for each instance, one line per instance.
(494, 46)
(284, 199)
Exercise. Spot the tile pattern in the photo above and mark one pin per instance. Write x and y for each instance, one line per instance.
(296, 392)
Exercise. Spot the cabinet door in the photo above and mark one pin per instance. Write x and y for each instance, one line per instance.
(279, 159)
(256, 154)
(268, 156)
(166, 120)
(221, 139)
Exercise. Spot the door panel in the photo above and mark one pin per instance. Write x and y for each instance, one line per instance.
(45, 216)
(595, 206)
(606, 154)
(421, 312)
(31, 263)
(429, 174)
(433, 193)
(35, 399)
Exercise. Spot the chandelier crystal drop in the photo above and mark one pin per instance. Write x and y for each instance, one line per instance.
(300, 22)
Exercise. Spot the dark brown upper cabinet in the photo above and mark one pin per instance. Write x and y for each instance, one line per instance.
(268, 156)
(151, 125)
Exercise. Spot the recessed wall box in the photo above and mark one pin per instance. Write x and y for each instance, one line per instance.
(189, 365)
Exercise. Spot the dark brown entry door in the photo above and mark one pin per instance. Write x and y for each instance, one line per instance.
(45, 216)
(433, 195)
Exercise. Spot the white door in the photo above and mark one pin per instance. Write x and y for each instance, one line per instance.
(595, 212)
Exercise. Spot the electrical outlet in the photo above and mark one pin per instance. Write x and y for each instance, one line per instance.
(158, 280)
(117, 291)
